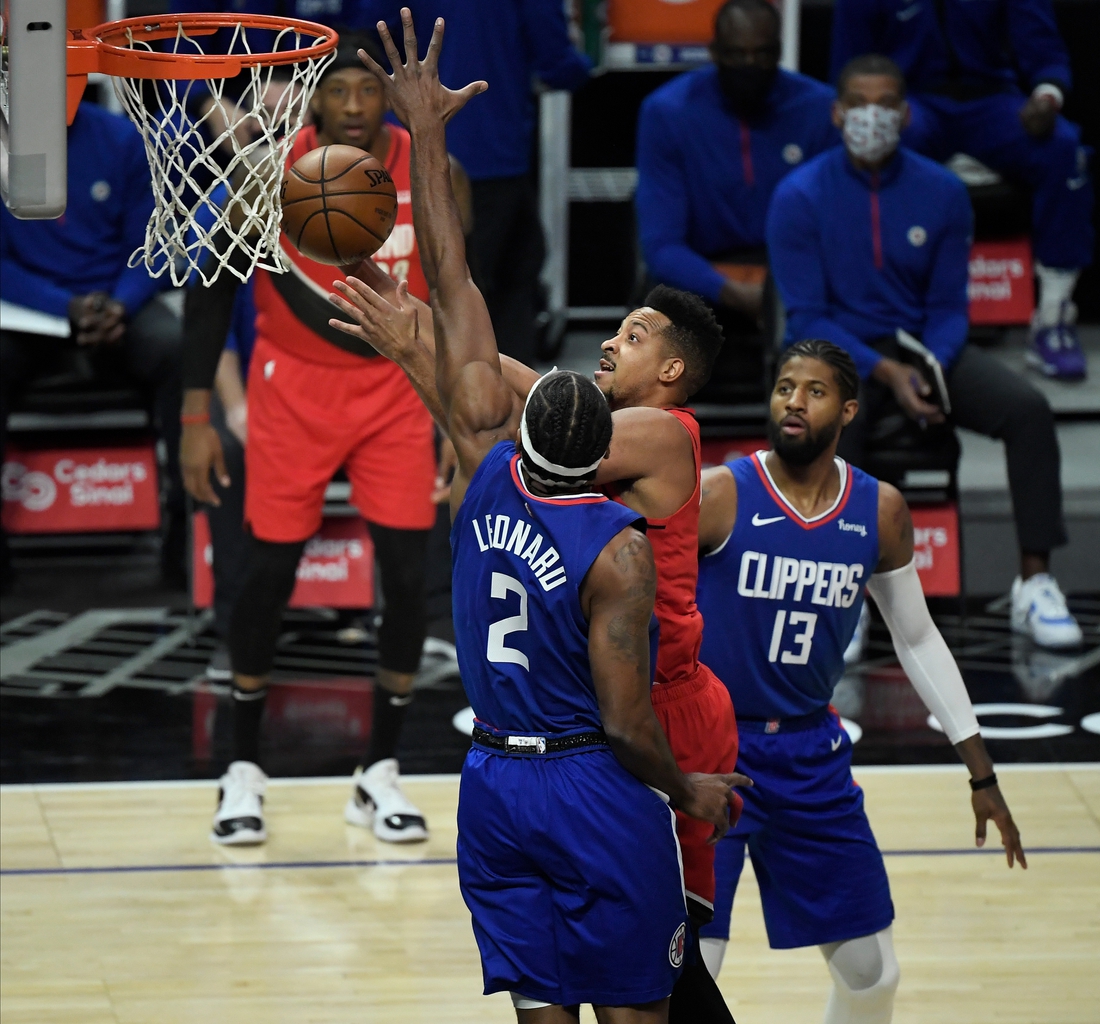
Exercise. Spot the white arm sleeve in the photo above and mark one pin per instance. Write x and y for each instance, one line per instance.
(922, 650)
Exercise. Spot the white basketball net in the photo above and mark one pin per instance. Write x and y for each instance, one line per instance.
(198, 141)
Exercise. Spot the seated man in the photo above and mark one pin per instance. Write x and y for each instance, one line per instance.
(870, 240)
(712, 145)
(967, 99)
(76, 267)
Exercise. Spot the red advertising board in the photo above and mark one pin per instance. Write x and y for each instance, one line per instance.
(80, 490)
(936, 548)
(717, 450)
(662, 21)
(1001, 287)
(336, 570)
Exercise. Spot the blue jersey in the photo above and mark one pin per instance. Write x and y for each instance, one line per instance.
(518, 563)
(781, 597)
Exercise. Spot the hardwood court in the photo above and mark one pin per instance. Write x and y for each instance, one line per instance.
(175, 930)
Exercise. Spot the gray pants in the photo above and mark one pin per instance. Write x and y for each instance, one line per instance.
(989, 398)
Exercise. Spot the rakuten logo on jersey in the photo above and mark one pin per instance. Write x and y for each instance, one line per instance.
(830, 584)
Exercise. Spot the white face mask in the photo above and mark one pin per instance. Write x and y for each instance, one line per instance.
(872, 132)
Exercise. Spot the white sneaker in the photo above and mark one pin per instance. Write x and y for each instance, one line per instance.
(853, 653)
(239, 819)
(1039, 611)
(377, 802)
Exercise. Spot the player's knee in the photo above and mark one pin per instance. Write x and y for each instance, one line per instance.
(401, 561)
(864, 964)
(255, 622)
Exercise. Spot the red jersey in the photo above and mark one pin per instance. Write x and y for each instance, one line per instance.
(399, 257)
(675, 542)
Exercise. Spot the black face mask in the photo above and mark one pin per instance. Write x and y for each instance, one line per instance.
(746, 87)
(801, 452)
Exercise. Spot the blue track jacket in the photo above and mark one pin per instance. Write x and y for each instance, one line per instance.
(909, 31)
(44, 263)
(705, 178)
(856, 256)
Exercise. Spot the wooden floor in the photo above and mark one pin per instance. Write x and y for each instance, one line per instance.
(281, 933)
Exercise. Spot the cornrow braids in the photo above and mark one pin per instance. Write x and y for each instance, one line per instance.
(842, 365)
(568, 424)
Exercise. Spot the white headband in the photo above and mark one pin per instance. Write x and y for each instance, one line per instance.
(529, 448)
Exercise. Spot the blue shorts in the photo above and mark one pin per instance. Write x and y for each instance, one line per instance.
(571, 870)
(820, 872)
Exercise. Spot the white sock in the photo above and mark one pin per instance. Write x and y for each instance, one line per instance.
(1055, 287)
(713, 951)
(865, 978)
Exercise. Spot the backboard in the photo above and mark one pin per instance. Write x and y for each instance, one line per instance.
(33, 142)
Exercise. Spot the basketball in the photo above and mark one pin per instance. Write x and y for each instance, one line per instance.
(339, 205)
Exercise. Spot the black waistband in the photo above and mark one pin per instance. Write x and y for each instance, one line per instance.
(528, 745)
(796, 723)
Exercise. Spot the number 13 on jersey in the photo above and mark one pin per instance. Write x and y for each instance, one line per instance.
(804, 640)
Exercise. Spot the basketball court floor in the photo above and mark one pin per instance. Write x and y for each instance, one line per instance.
(117, 910)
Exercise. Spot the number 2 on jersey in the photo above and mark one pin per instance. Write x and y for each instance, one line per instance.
(496, 650)
(804, 639)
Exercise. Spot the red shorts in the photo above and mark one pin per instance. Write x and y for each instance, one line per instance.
(306, 420)
(697, 717)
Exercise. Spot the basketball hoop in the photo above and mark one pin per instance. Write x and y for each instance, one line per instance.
(199, 138)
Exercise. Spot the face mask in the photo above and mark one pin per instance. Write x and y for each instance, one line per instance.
(746, 88)
(872, 133)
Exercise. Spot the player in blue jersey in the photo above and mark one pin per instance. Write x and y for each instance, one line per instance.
(789, 540)
(567, 856)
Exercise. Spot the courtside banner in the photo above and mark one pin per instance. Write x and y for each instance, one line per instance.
(80, 490)
(936, 549)
(336, 570)
(719, 450)
(1001, 289)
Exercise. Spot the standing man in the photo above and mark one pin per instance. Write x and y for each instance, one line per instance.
(317, 402)
(566, 860)
(872, 240)
(789, 538)
(712, 146)
(964, 63)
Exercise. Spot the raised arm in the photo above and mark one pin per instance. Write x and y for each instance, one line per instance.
(718, 508)
(931, 669)
(617, 597)
(479, 407)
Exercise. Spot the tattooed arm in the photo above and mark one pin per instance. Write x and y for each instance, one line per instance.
(617, 598)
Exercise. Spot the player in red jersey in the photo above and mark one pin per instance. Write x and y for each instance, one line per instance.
(662, 355)
(319, 401)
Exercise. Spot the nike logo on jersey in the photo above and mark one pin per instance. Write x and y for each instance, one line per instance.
(757, 521)
(835, 744)
(831, 584)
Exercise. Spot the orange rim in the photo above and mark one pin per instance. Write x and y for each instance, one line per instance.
(113, 57)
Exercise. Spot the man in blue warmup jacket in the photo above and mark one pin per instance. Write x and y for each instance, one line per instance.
(76, 267)
(965, 97)
(712, 145)
(873, 239)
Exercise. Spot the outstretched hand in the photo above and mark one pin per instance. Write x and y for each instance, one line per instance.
(414, 89)
(990, 804)
(390, 325)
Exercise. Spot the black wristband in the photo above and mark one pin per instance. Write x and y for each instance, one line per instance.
(989, 780)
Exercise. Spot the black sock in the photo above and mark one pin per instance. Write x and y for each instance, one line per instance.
(389, 716)
(248, 712)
